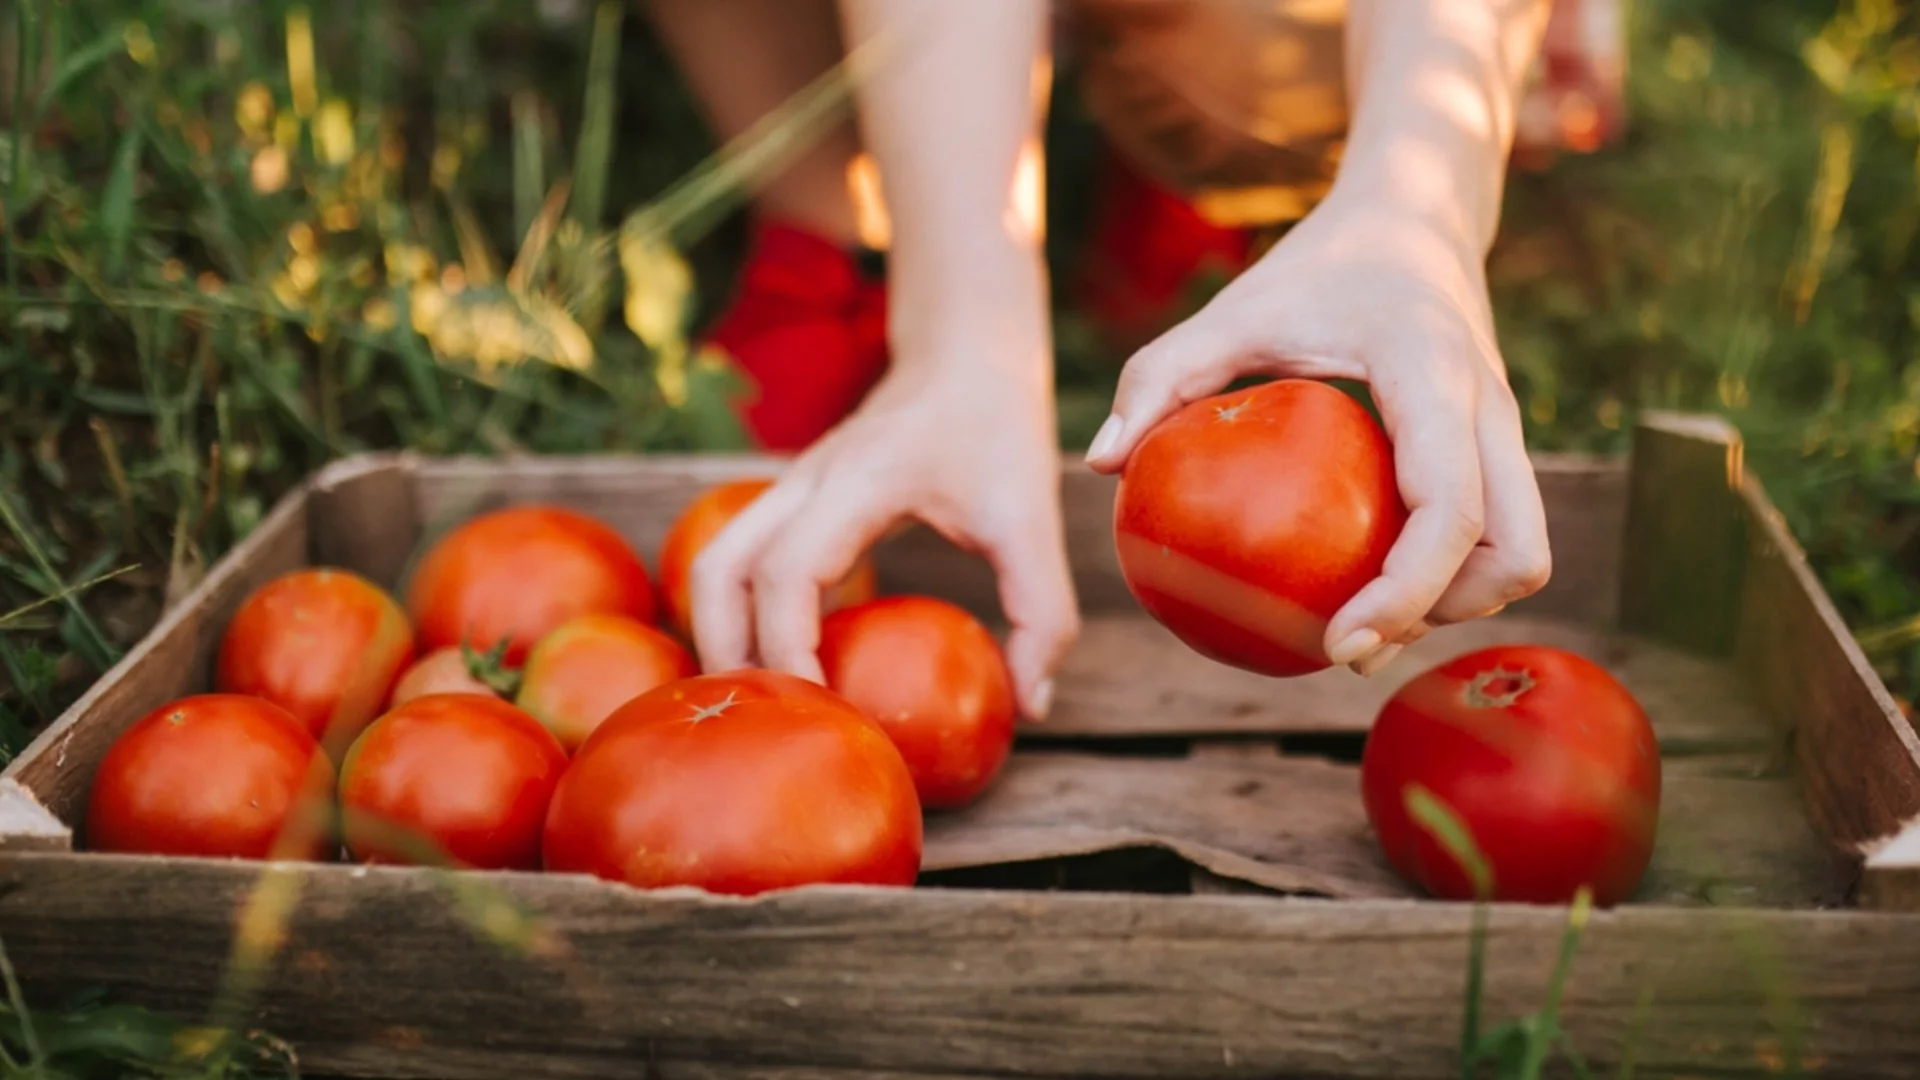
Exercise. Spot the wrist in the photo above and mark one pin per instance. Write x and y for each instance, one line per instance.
(1407, 189)
(982, 305)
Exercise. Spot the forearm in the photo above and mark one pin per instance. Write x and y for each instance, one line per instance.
(946, 113)
(1433, 86)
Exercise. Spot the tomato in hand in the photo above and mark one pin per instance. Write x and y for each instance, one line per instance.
(577, 675)
(935, 680)
(701, 521)
(460, 778)
(214, 775)
(442, 671)
(518, 573)
(737, 783)
(1244, 521)
(326, 645)
(1547, 761)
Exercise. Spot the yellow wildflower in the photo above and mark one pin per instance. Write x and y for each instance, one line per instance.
(269, 170)
(428, 304)
(659, 287)
(304, 272)
(379, 314)
(341, 217)
(300, 67)
(253, 110)
(139, 43)
(333, 132)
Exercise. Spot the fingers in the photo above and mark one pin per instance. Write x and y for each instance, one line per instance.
(1036, 593)
(1183, 365)
(816, 549)
(720, 575)
(1513, 559)
(1432, 428)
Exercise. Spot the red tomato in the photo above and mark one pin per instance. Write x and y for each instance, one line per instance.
(701, 521)
(1549, 763)
(468, 775)
(324, 644)
(589, 667)
(737, 783)
(1244, 521)
(218, 775)
(935, 680)
(518, 573)
(442, 671)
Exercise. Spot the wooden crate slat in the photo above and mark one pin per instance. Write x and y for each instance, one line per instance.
(1129, 677)
(363, 516)
(1586, 504)
(384, 973)
(1682, 561)
(959, 982)
(1857, 757)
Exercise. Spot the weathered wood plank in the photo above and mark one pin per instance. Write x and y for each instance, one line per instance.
(172, 660)
(379, 977)
(1857, 757)
(1129, 677)
(1586, 503)
(1585, 499)
(363, 516)
(1682, 560)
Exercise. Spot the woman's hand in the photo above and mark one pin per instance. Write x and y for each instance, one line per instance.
(961, 446)
(1367, 289)
(961, 433)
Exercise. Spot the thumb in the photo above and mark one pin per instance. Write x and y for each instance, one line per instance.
(1180, 366)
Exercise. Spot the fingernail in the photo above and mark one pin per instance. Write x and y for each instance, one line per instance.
(1354, 646)
(1042, 700)
(1375, 662)
(1106, 438)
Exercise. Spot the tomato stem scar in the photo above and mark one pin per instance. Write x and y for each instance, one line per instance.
(1498, 688)
(708, 712)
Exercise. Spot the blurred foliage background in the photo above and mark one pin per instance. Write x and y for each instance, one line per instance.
(242, 238)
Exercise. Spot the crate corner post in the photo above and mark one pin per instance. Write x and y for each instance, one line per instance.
(1683, 559)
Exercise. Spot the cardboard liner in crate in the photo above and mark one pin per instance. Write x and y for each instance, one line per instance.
(1290, 825)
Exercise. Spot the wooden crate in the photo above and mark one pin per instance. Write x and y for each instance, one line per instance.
(1173, 878)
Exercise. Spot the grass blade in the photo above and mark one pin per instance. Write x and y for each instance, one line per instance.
(1546, 1032)
(59, 595)
(36, 1059)
(707, 192)
(529, 164)
(78, 64)
(1451, 833)
(1440, 822)
(594, 156)
(26, 28)
(105, 655)
(117, 200)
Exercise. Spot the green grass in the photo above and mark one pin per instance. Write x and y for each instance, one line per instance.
(208, 300)
(240, 241)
